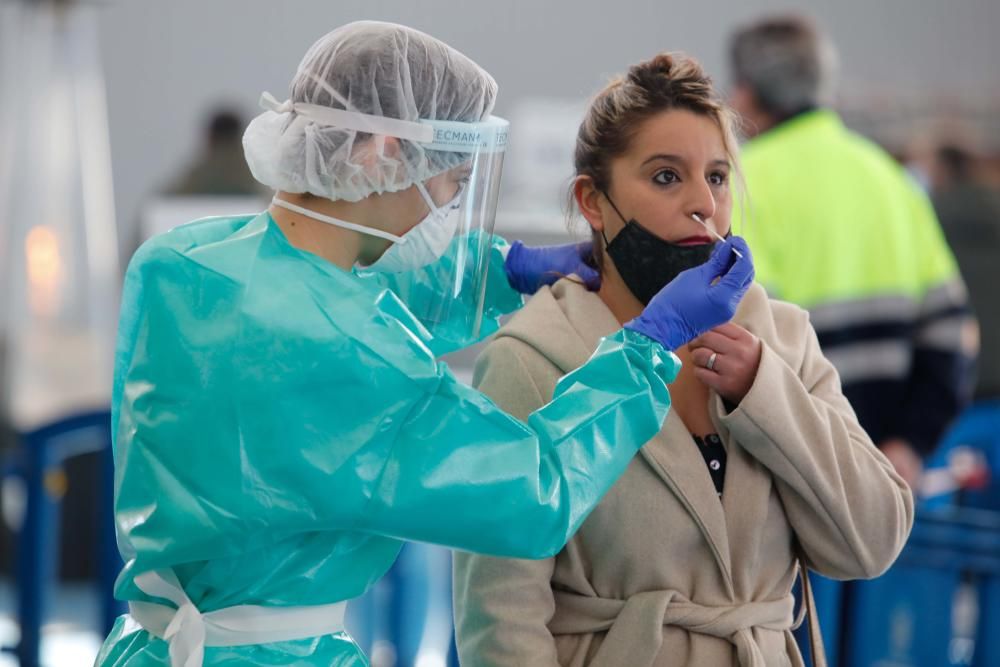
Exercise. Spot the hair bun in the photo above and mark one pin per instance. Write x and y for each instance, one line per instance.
(674, 76)
(646, 73)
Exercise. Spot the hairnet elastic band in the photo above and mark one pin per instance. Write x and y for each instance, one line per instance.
(352, 120)
(337, 222)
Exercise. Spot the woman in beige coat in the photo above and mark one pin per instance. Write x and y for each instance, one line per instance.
(691, 557)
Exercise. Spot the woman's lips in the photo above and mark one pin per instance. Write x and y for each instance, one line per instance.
(694, 240)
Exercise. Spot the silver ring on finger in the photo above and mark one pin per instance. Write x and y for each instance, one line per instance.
(710, 364)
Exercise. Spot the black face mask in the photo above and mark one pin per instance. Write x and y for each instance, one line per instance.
(646, 262)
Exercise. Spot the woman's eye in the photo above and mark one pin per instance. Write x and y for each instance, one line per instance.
(718, 178)
(665, 177)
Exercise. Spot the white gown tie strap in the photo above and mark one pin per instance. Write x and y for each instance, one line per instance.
(188, 631)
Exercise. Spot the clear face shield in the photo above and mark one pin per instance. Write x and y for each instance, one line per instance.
(456, 279)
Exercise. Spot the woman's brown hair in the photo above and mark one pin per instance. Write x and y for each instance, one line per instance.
(664, 83)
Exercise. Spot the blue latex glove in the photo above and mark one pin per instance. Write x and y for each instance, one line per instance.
(694, 302)
(528, 268)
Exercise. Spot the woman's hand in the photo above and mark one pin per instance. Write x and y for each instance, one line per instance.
(726, 360)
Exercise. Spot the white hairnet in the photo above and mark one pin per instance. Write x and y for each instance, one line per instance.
(373, 68)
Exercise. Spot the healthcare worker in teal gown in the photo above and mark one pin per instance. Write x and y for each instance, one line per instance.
(280, 420)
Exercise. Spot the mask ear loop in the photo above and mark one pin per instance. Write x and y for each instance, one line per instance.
(452, 203)
(433, 209)
(440, 211)
(611, 201)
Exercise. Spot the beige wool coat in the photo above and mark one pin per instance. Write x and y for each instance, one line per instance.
(663, 572)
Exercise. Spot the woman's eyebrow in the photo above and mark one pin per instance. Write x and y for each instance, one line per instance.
(664, 156)
(668, 157)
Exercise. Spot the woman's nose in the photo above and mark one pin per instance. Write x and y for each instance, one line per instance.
(701, 202)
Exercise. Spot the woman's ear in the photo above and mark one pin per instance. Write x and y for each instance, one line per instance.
(588, 199)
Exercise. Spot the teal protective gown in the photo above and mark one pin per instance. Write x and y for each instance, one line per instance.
(281, 425)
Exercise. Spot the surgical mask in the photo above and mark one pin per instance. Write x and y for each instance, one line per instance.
(646, 262)
(422, 245)
(425, 243)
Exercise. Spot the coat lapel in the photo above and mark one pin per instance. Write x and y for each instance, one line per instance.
(747, 490)
(674, 457)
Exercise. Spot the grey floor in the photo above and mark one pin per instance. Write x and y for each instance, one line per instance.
(70, 638)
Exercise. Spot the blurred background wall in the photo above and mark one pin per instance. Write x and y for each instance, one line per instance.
(167, 64)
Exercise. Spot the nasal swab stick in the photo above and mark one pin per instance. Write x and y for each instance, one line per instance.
(714, 233)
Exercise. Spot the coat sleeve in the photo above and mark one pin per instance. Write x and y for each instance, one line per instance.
(849, 509)
(502, 606)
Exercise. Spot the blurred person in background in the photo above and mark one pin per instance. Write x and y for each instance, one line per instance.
(220, 167)
(968, 205)
(839, 228)
(969, 209)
